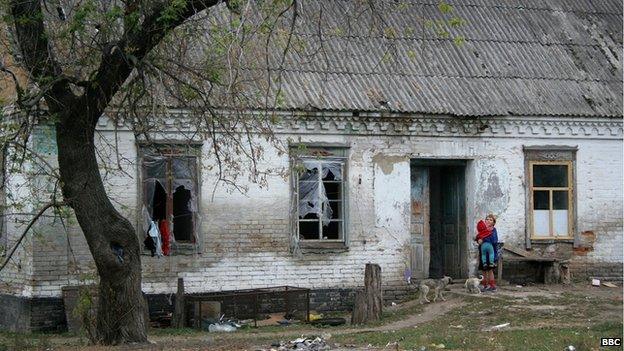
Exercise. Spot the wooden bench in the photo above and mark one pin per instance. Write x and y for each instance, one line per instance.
(549, 265)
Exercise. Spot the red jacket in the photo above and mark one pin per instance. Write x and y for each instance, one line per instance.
(482, 230)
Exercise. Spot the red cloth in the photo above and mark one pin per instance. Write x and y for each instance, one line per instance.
(482, 230)
(166, 237)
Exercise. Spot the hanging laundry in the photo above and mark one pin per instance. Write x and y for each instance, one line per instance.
(166, 235)
(150, 244)
(155, 235)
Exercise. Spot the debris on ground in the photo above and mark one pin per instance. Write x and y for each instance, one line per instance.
(595, 282)
(225, 327)
(220, 325)
(498, 327)
(301, 344)
(329, 321)
(609, 285)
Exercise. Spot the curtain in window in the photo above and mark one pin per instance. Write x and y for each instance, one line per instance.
(312, 197)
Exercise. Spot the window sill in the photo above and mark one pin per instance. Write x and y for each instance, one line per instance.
(322, 247)
(177, 249)
(552, 240)
(184, 249)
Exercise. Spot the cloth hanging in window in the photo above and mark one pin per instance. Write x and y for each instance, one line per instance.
(154, 234)
(166, 237)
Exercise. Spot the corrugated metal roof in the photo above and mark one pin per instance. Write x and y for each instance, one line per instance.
(520, 57)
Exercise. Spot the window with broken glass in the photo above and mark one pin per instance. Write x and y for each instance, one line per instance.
(321, 199)
(170, 191)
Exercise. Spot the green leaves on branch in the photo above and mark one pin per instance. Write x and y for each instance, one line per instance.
(172, 12)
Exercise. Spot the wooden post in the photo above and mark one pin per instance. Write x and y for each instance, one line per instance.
(359, 308)
(368, 303)
(499, 276)
(178, 312)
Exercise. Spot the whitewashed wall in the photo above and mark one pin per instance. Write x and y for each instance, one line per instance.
(246, 236)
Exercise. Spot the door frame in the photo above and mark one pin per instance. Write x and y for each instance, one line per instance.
(463, 200)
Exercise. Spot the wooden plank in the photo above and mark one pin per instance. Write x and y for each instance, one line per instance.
(530, 259)
(518, 251)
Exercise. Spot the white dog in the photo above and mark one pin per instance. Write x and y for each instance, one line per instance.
(472, 285)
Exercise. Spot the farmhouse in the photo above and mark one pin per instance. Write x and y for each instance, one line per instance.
(395, 147)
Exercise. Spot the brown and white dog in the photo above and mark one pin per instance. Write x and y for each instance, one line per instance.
(437, 285)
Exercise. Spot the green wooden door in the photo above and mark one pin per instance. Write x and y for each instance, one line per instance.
(447, 222)
(453, 223)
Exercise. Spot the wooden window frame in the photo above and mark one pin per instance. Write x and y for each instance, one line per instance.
(569, 188)
(342, 220)
(171, 149)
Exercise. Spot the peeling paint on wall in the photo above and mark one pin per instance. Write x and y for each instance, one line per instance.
(386, 163)
(492, 192)
(392, 193)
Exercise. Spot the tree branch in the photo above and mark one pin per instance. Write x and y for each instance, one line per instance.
(35, 48)
(30, 224)
(120, 58)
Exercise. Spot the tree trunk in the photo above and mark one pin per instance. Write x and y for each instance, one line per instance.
(111, 238)
(368, 303)
(178, 312)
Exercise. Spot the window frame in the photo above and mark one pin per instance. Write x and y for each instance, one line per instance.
(172, 150)
(570, 201)
(342, 182)
(551, 154)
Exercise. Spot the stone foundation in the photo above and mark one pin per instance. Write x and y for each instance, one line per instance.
(19, 314)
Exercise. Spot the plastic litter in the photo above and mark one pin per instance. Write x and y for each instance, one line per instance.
(222, 327)
(498, 327)
(314, 317)
(302, 344)
(595, 282)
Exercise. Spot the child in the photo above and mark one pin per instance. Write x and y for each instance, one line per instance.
(487, 237)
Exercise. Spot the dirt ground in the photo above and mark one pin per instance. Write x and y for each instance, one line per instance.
(550, 317)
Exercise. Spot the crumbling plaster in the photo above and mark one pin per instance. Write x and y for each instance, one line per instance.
(246, 235)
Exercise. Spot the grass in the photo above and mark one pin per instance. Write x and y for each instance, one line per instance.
(23, 341)
(522, 339)
(553, 324)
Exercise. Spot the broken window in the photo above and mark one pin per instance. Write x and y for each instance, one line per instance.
(320, 196)
(550, 193)
(170, 195)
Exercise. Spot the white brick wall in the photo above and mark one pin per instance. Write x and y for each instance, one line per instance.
(245, 237)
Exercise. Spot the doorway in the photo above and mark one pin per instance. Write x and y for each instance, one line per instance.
(439, 245)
